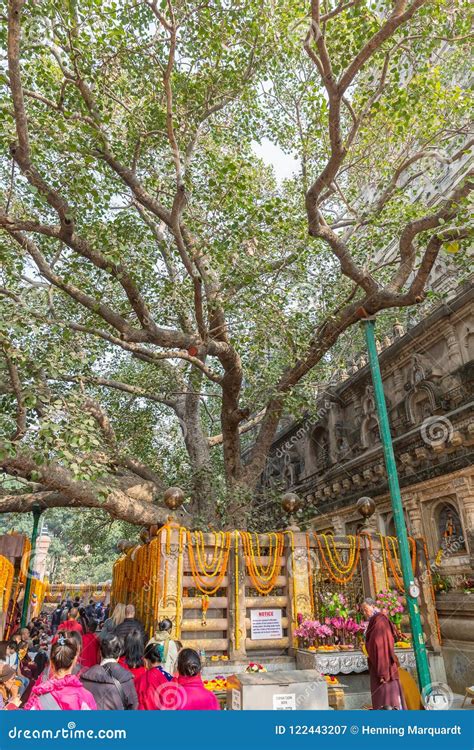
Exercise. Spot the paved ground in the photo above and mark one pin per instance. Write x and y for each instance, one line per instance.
(457, 703)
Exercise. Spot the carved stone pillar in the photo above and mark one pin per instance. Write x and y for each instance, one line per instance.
(169, 603)
(398, 384)
(299, 594)
(414, 517)
(466, 506)
(454, 351)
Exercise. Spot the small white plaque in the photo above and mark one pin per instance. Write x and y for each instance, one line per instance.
(284, 702)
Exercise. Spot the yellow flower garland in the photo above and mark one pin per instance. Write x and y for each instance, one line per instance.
(293, 580)
(263, 579)
(6, 581)
(336, 561)
(212, 569)
(345, 575)
(384, 561)
(236, 583)
(209, 587)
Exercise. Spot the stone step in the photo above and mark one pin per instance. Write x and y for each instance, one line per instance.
(272, 664)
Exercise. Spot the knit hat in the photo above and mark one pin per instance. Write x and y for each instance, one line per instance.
(6, 673)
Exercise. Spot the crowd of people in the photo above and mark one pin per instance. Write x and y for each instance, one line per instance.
(87, 658)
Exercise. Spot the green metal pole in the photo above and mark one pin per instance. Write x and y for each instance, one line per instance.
(421, 656)
(37, 511)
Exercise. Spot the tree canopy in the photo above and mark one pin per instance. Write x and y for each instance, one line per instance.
(165, 297)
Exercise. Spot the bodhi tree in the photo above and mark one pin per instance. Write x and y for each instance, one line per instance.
(163, 294)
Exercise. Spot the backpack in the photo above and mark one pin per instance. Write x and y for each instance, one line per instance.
(48, 702)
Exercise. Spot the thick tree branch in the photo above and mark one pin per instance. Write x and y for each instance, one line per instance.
(17, 390)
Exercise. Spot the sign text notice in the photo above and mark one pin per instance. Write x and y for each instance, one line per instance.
(265, 624)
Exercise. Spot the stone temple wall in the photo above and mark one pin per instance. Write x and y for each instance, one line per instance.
(333, 460)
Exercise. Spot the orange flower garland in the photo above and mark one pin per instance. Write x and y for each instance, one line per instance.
(263, 578)
(372, 563)
(310, 572)
(345, 574)
(392, 557)
(215, 578)
(236, 583)
(6, 581)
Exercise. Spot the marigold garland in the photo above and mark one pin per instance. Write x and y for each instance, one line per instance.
(236, 583)
(336, 561)
(345, 575)
(208, 586)
(384, 561)
(212, 569)
(179, 599)
(393, 559)
(263, 578)
(371, 556)
(6, 581)
(293, 580)
(310, 573)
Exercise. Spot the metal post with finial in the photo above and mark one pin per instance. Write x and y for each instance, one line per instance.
(291, 503)
(173, 499)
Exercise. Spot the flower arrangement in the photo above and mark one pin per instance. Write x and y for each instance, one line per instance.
(331, 679)
(312, 632)
(391, 604)
(441, 584)
(334, 605)
(254, 667)
(332, 633)
(218, 683)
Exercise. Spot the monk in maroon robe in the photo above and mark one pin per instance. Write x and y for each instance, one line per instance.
(383, 669)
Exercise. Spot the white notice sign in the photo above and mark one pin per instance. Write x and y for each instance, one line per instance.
(284, 702)
(265, 624)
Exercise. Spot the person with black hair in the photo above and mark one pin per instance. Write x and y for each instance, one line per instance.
(151, 696)
(41, 657)
(192, 695)
(132, 657)
(83, 619)
(63, 690)
(168, 646)
(111, 685)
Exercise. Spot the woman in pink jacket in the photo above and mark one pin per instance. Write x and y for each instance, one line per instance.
(191, 695)
(63, 691)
